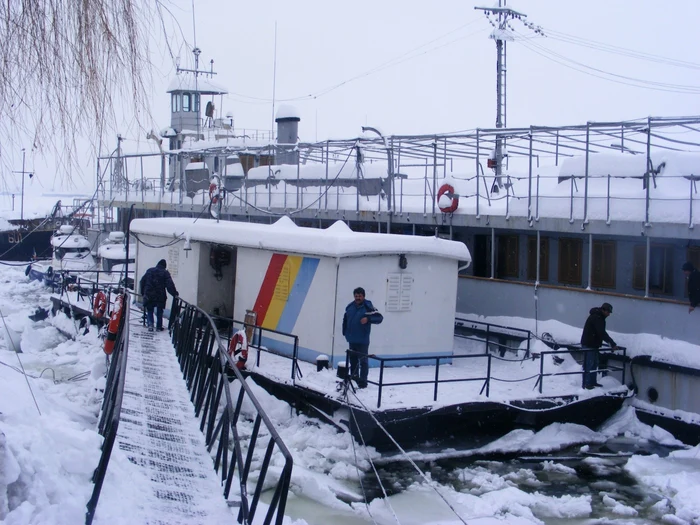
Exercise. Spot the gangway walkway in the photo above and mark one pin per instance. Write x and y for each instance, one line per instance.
(159, 433)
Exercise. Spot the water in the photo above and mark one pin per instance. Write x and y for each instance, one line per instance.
(597, 472)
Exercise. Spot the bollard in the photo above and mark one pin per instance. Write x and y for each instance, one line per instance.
(342, 372)
(321, 362)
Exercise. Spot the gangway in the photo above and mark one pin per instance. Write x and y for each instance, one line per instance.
(151, 418)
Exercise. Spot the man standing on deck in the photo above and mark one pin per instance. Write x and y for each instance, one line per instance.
(693, 277)
(359, 317)
(592, 338)
(153, 285)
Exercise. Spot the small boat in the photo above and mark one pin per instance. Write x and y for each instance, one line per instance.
(289, 286)
(113, 259)
(70, 253)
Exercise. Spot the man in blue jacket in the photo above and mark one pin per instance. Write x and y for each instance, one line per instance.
(359, 317)
(153, 285)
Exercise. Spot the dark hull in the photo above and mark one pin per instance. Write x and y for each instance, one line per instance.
(472, 422)
(23, 245)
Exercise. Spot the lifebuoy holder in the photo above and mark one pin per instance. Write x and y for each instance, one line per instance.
(113, 326)
(238, 346)
(448, 189)
(99, 305)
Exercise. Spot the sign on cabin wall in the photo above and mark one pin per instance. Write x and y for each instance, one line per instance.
(173, 261)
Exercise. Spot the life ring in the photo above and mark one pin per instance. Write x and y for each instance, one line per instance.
(214, 194)
(113, 326)
(450, 191)
(239, 346)
(99, 305)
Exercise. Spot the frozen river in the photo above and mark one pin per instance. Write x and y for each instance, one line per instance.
(624, 472)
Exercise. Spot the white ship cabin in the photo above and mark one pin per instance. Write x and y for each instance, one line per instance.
(112, 253)
(71, 250)
(299, 280)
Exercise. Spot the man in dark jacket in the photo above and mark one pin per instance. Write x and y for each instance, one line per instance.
(153, 285)
(593, 335)
(693, 277)
(359, 317)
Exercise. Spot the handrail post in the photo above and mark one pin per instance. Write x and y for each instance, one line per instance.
(585, 191)
(437, 378)
(381, 383)
(542, 370)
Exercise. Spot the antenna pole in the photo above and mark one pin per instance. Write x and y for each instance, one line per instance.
(274, 85)
(23, 172)
(502, 16)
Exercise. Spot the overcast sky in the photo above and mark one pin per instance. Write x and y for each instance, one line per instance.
(446, 85)
(410, 67)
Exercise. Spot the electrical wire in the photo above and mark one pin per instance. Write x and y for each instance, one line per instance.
(409, 55)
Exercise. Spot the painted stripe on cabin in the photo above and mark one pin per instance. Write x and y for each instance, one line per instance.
(267, 289)
(298, 293)
(283, 288)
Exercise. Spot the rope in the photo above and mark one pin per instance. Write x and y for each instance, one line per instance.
(413, 463)
(376, 474)
(359, 474)
(20, 362)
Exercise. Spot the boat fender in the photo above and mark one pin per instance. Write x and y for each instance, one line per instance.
(113, 326)
(49, 272)
(238, 346)
(29, 269)
(448, 189)
(99, 305)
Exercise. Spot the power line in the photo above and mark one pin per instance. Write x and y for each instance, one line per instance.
(400, 59)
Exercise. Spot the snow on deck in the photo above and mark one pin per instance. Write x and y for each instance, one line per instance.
(160, 435)
(513, 377)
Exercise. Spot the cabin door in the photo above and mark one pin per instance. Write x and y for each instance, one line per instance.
(481, 256)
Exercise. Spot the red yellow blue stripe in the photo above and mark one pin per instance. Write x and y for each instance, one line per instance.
(283, 291)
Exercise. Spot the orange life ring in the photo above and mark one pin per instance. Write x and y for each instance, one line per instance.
(239, 345)
(214, 194)
(113, 326)
(447, 188)
(99, 305)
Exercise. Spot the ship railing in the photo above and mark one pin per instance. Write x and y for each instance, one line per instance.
(86, 288)
(110, 413)
(493, 334)
(432, 361)
(208, 369)
(424, 162)
(568, 349)
(262, 339)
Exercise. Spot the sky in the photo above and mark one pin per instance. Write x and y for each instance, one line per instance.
(49, 448)
(409, 68)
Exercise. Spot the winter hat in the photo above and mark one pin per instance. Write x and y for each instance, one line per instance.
(606, 306)
(687, 267)
(162, 264)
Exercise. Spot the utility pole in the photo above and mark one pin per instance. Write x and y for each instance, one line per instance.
(21, 212)
(500, 17)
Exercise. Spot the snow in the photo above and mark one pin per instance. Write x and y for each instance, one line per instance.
(48, 454)
(287, 112)
(187, 82)
(328, 242)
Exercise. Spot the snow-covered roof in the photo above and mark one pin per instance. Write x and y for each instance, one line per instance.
(336, 241)
(200, 84)
(287, 111)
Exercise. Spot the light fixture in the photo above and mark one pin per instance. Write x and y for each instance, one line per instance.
(403, 263)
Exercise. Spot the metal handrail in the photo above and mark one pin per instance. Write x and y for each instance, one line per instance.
(111, 406)
(572, 348)
(208, 369)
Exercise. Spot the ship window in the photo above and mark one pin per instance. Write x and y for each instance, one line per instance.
(508, 256)
(532, 258)
(186, 102)
(604, 264)
(399, 287)
(176, 102)
(660, 268)
(570, 261)
(692, 256)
